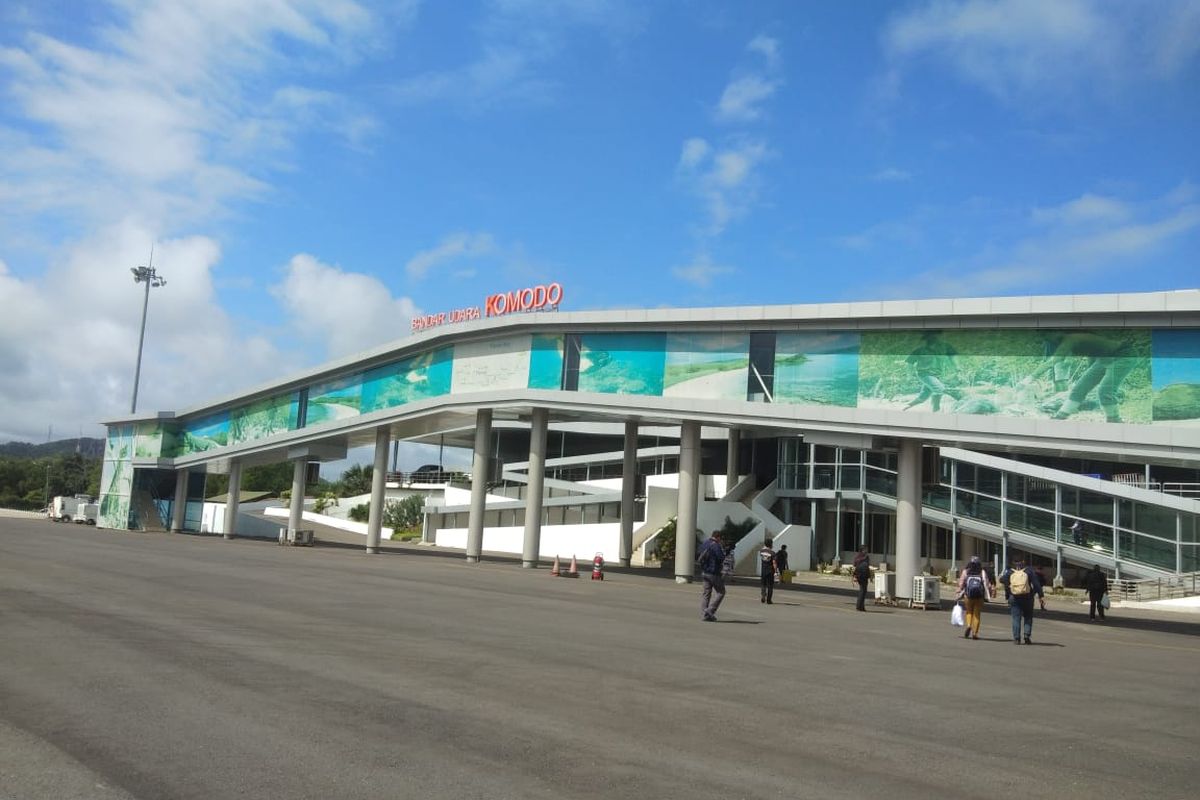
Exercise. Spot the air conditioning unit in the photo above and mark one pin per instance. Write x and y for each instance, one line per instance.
(926, 592)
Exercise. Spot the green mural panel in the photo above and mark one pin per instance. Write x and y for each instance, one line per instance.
(622, 363)
(417, 378)
(266, 417)
(119, 444)
(1175, 370)
(1093, 375)
(708, 366)
(203, 434)
(817, 368)
(546, 362)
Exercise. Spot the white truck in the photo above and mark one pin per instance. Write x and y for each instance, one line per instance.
(80, 509)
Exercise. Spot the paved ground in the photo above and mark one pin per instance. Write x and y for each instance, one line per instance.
(159, 666)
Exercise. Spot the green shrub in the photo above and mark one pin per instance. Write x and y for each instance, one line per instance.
(360, 513)
(322, 503)
(403, 515)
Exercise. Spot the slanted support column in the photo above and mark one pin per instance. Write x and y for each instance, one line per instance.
(179, 509)
(689, 485)
(383, 437)
(628, 489)
(235, 492)
(479, 475)
(296, 508)
(731, 458)
(533, 500)
(908, 515)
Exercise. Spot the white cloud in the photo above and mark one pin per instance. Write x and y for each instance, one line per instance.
(727, 179)
(767, 47)
(694, 151)
(161, 114)
(1075, 243)
(1019, 48)
(701, 271)
(345, 311)
(742, 99)
(68, 341)
(518, 42)
(904, 232)
(1086, 208)
(453, 248)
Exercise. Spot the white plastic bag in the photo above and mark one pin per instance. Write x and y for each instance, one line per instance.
(956, 616)
(1105, 602)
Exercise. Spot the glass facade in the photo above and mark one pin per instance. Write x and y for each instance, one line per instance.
(1136, 531)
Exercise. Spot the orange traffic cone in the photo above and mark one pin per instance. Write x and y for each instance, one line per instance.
(555, 571)
(573, 572)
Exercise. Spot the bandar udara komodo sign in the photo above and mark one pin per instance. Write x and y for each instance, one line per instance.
(543, 297)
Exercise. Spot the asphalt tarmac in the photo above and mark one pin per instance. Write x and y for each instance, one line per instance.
(170, 666)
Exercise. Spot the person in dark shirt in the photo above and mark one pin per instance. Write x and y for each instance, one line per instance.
(781, 559)
(860, 573)
(766, 571)
(1096, 583)
(711, 558)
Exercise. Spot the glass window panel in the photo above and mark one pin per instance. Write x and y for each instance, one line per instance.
(851, 477)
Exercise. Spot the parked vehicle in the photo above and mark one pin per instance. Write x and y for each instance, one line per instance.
(81, 509)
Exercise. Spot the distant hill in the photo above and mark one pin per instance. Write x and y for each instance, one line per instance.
(88, 448)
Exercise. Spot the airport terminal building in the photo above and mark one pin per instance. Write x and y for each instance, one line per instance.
(925, 430)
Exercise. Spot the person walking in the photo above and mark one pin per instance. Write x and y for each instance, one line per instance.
(860, 573)
(766, 571)
(781, 564)
(1021, 585)
(974, 590)
(1096, 583)
(711, 559)
(933, 361)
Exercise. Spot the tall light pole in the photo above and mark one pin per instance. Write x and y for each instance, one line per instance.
(148, 276)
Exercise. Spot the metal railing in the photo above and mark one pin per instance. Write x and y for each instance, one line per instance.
(1149, 589)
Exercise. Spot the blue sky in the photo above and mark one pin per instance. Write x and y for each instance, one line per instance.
(311, 174)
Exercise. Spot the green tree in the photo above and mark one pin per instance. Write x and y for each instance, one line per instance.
(356, 480)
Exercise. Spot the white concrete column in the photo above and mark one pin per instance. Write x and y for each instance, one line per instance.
(908, 516)
(234, 495)
(383, 437)
(628, 490)
(689, 486)
(179, 509)
(731, 458)
(479, 475)
(533, 500)
(296, 508)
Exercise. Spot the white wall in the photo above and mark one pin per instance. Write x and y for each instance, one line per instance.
(582, 541)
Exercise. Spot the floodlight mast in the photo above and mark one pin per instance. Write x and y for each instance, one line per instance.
(148, 276)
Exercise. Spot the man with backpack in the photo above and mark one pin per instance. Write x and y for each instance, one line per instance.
(974, 590)
(711, 558)
(1021, 584)
(766, 571)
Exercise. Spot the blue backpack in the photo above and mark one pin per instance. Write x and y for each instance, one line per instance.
(974, 586)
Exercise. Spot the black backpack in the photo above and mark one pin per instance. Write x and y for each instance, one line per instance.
(862, 571)
(974, 586)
